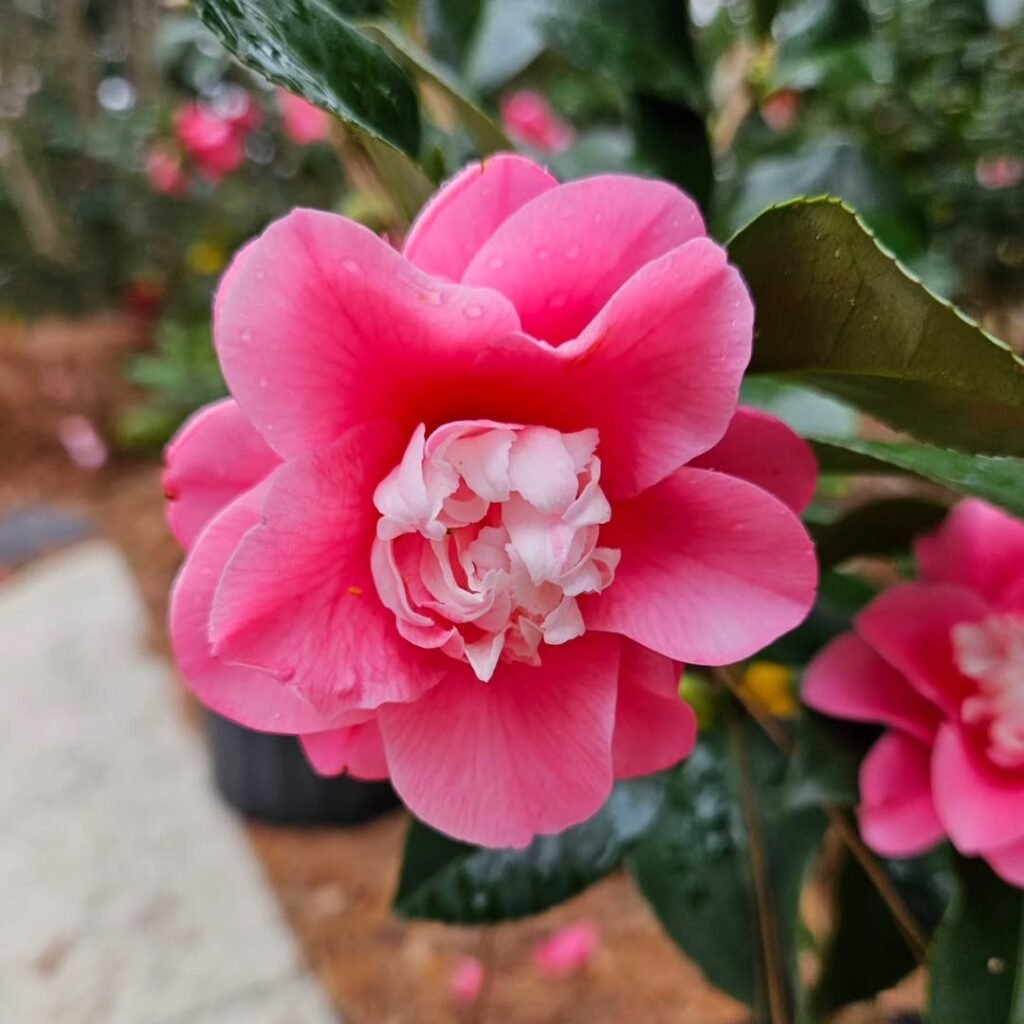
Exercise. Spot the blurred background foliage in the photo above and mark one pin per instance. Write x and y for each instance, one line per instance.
(911, 110)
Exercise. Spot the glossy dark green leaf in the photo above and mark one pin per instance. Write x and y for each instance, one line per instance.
(449, 26)
(998, 480)
(694, 869)
(879, 528)
(826, 761)
(487, 136)
(977, 958)
(866, 952)
(444, 880)
(837, 313)
(314, 48)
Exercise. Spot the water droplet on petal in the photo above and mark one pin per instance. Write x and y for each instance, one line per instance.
(432, 298)
(350, 264)
(572, 252)
(263, 382)
(541, 253)
(558, 300)
(474, 312)
(495, 263)
(260, 275)
(247, 335)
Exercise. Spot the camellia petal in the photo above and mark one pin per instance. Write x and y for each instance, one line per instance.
(654, 727)
(712, 569)
(356, 749)
(216, 456)
(847, 679)
(297, 598)
(1008, 863)
(762, 449)
(529, 752)
(979, 806)
(467, 210)
(245, 695)
(562, 255)
(979, 547)
(911, 626)
(323, 327)
(897, 813)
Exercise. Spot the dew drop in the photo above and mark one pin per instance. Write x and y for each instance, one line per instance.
(541, 253)
(838, 253)
(247, 335)
(572, 252)
(260, 275)
(432, 298)
(495, 263)
(558, 300)
(350, 264)
(264, 382)
(474, 312)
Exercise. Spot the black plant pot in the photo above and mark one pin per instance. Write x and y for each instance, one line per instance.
(268, 778)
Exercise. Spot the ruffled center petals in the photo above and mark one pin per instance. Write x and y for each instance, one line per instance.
(488, 533)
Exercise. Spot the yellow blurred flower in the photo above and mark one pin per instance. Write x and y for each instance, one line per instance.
(772, 686)
(206, 258)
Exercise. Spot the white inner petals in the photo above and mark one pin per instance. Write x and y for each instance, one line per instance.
(488, 535)
(992, 654)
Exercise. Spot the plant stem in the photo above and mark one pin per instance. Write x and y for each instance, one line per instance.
(776, 984)
(910, 927)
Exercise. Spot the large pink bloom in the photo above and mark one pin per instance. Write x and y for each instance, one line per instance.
(472, 504)
(941, 663)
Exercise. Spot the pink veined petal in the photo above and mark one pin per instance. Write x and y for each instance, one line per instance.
(215, 456)
(910, 626)
(897, 813)
(244, 695)
(356, 749)
(979, 547)
(323, 326)
(712, 570)
(526, 754)
(1008, 863)
(849, 680)
(654, 727)
(561, 256)
(979, 806)
(762, 449)
(467, 210)
(297, 598)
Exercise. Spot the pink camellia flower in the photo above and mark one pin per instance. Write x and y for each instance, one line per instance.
(303, 123)
(215, 142)
(941, 663)
(781, 109)
(471, 504)
(163, 168)
(467, 980)
(567, 950)
(527, 117)
(999, 172)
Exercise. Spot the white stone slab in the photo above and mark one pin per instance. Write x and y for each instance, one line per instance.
(128, 893)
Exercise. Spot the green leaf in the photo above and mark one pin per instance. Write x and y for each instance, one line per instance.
(448, 26)
(879, 528)
(508, 38)
(997, 480)
(764, 15)
(489, 138)
(693, 867)
(866, 952)
(313, 48)
(826, 761)
(977, 958)
(837, 313)
(444, 880)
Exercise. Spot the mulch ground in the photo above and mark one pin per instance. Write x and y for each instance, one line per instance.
(335, 885)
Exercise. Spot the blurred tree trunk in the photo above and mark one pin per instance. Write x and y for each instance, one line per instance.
(143, 20)
(75, 55)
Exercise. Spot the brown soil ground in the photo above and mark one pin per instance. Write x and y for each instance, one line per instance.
(335, 885)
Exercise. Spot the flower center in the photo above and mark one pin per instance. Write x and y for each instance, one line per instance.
(488, 534)
(992, 654)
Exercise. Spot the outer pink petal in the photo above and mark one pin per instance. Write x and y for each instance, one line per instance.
(849, 680)
(1008, 863)
(979, 806)
(654, 727)
(527, 753)
(297, 598)
(762, 449)
(897, 814)
(713, 569)
(323, 326)
(244, 695)
(910, 626)
(563, 255)
(979, 547)
(215, 456)
(357, 749)
(468, 209)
